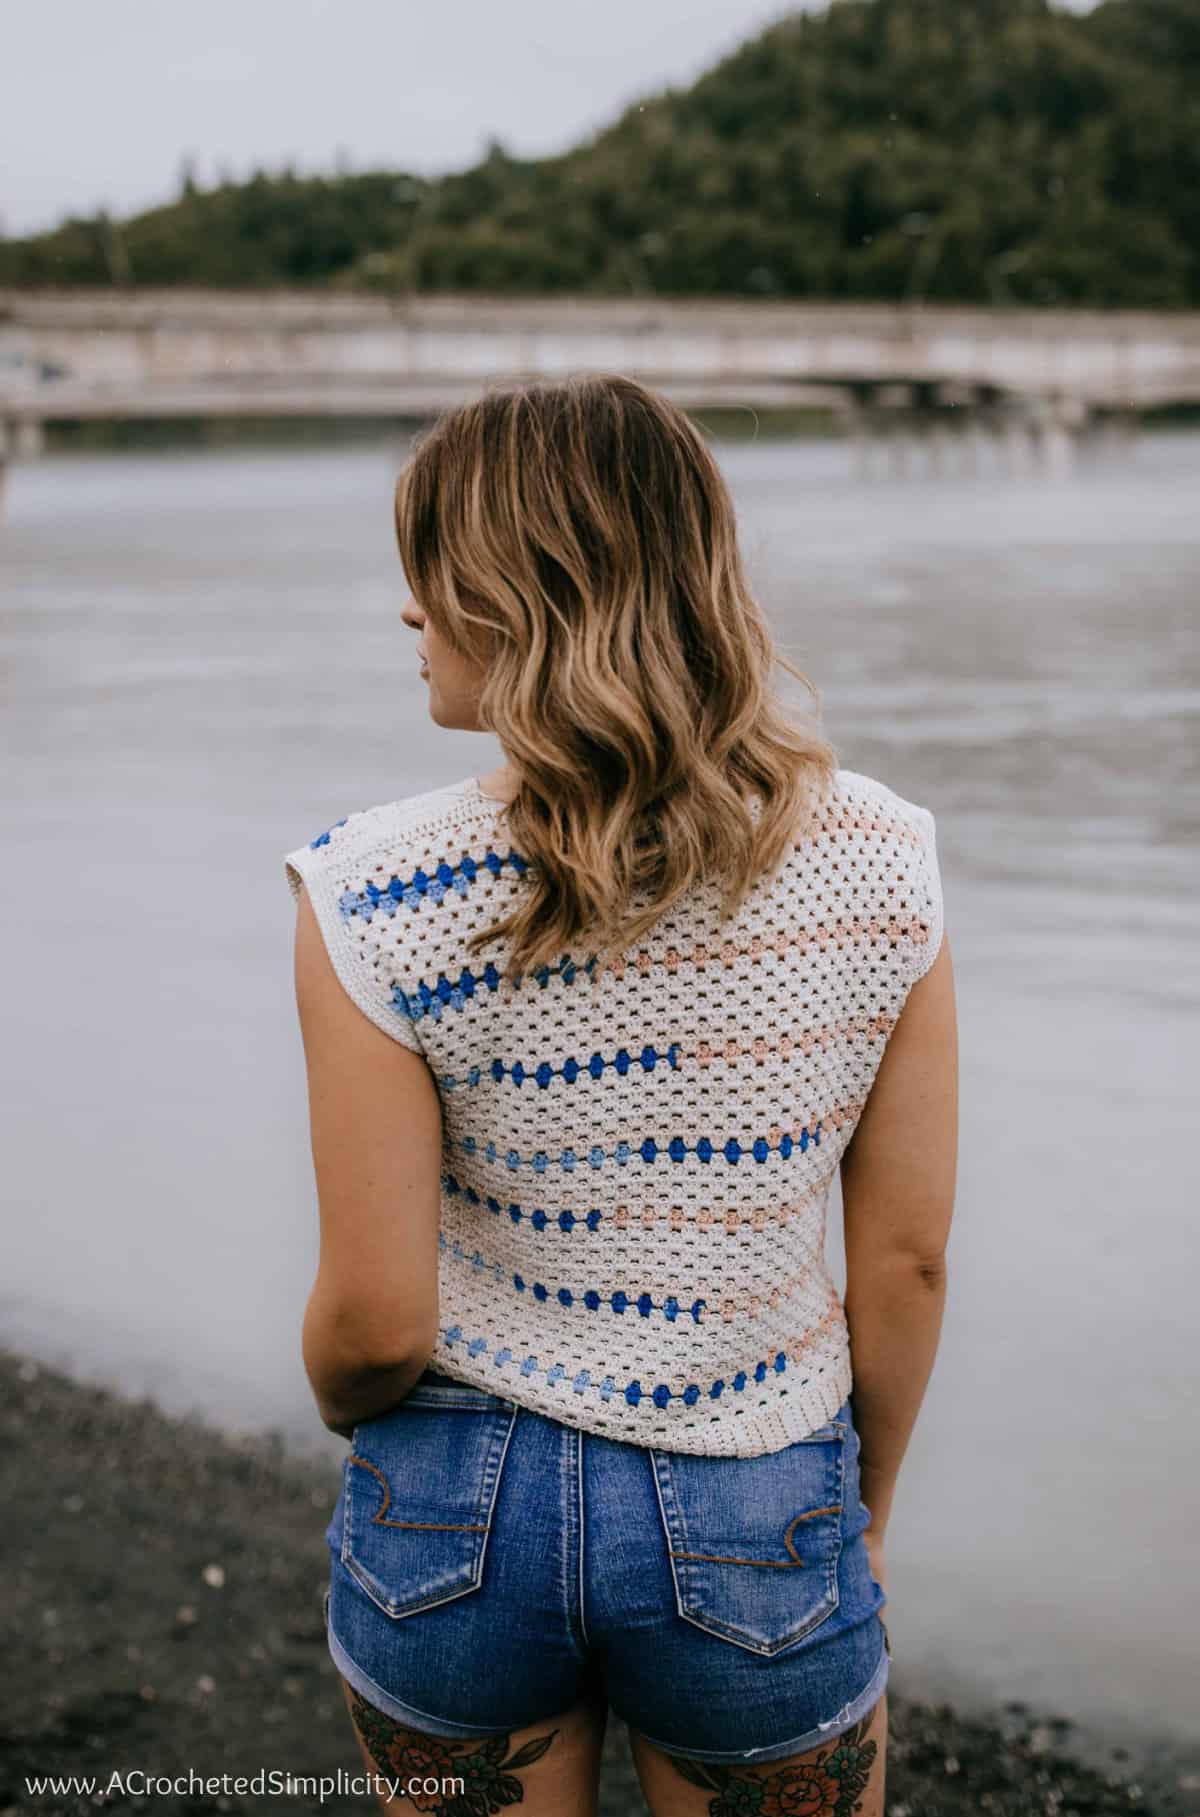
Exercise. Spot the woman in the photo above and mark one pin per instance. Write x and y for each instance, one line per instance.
(587, 1039)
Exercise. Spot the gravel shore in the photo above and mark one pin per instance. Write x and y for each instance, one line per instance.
(162, 1611)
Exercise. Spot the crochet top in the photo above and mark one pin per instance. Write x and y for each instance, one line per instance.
(635, 1173)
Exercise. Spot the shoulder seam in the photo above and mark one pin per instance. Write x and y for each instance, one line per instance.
(383, 823)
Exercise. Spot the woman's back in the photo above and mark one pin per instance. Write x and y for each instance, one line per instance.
(636, 1169)
(639, 1001)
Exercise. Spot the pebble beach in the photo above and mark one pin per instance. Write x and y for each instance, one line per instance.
(162, 1615)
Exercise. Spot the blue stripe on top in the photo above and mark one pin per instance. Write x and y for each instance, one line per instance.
(633, 1392)
(427, 1000)
(423, 886)
(677, 1149)
(589, 1298)
(538, 1218)
(571, 1069)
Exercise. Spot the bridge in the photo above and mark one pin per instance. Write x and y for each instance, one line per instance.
(70, 356)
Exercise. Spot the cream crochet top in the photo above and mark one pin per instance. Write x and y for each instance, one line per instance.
(635, 1176)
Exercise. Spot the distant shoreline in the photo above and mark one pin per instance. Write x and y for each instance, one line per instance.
(163, 1610)
(237, 434)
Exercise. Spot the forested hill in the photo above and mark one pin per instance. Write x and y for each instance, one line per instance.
(955, 150)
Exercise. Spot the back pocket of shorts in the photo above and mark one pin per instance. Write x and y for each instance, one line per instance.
(754, 1542)
(420, 1489)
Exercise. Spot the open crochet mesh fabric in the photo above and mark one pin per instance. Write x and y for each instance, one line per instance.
(635, 1171)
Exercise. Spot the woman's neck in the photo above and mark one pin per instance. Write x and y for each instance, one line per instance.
(500, 785)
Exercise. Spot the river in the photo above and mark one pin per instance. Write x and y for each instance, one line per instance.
(205, 665)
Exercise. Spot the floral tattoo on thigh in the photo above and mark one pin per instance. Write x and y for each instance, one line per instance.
(831, 1785)
(480, 1777)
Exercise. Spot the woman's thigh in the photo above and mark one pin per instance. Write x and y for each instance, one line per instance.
(836, 1779)
(550, 1769)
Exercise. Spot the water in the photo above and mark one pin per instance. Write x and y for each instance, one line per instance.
(205, 665)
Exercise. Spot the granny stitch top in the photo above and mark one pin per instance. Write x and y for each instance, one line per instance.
(635, 1176)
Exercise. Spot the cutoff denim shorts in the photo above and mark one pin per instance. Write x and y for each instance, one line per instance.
(491, 1567)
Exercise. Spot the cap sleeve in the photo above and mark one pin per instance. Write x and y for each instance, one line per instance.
(925, 913)
(356, 912)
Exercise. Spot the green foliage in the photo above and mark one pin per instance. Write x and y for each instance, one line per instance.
(269, 230)
(957, 150)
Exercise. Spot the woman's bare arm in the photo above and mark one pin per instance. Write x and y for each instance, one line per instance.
(898, 1178)
(376, 1127)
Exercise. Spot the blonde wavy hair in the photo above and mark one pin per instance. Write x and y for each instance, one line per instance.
(578, 542)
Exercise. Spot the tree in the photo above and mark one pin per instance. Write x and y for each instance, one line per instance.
(993, 151)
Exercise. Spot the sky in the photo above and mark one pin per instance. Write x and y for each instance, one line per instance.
(101, 101)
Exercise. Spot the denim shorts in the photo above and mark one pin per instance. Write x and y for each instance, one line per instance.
(491, 1567)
